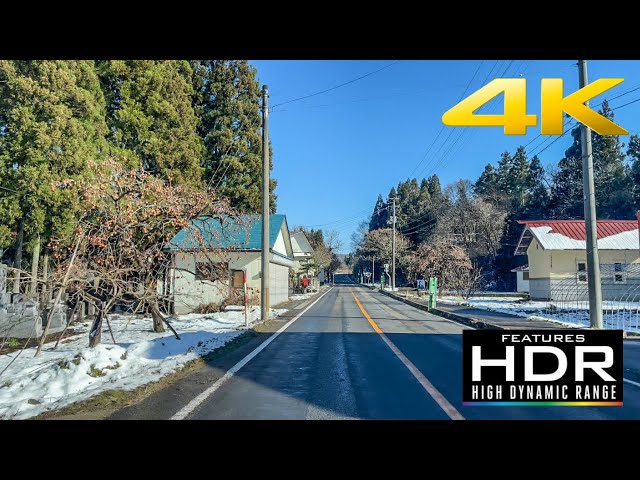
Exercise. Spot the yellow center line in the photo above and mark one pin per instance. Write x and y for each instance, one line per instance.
(440, 399)
(366, 315)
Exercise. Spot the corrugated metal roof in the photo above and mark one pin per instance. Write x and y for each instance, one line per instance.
(239, 233)
(571, 234)
(575, 229)
(300, 244)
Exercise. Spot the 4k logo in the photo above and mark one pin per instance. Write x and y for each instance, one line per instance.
(553, 106)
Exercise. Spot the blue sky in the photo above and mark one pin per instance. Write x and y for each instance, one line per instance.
(335, 152)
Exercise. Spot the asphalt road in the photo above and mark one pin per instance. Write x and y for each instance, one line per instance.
(331, 363)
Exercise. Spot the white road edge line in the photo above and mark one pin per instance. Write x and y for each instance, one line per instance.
(198, 400)
(631, 382)
(438, 397)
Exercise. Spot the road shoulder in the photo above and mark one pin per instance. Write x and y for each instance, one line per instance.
(162, 398)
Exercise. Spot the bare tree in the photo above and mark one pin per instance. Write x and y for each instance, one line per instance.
(473, 281)
(332, 241)
(358, 236)
(378, 243)
(445, 260)
(130, 218)
(471, 222)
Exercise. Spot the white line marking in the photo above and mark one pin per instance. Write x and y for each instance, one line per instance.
(197, 401)
(632, 382)
(439, 398)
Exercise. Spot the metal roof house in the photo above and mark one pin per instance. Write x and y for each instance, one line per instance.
(211, 255)
(556, 251)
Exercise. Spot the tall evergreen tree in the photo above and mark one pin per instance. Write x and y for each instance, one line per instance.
(388, 214)
(504, 174)
(228, 106)
(537, 195)
(565, 200)
(519, 178)
(376, 216)
(613, 189)
(634, 153)
(51, 125)
(407, 207)
(423, 224)
(151, 118)
(614, 196)
(435, 190)
(487, 185)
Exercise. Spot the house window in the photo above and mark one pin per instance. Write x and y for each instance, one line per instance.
(525, 275)
(212, 271)
(582, 272)
(619, 275)
(237, 278)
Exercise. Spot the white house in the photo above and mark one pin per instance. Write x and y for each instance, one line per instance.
(199, 276)
(557, 257)
(302, 254)
(522, 278)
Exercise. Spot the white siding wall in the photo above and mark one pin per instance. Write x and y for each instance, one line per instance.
(190, 293)
(278, 284)
(279, 245)
(523, 285)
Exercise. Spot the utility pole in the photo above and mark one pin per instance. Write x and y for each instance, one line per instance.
(393, 249)
(593, 261)
(373, 268)
(264, 277)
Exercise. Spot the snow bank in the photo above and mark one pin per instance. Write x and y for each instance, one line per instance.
(302, 296)
(617, 315)
(75, 372)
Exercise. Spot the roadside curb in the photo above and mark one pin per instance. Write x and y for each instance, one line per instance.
(469, 321)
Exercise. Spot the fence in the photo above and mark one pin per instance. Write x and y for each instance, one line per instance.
(569, 297)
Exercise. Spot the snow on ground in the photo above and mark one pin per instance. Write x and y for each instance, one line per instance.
(616, 315)
(75, 372)
(302, 296)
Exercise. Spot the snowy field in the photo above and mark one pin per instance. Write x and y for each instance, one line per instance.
(75, 372)
(616, 315)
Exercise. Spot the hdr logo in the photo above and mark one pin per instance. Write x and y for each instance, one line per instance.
(542, 367)
(553, 107)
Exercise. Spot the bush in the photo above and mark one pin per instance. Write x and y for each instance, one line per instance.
(208, 308)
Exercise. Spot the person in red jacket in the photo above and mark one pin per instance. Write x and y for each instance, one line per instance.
(305, 283)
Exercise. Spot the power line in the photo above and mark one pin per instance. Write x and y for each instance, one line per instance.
(463, 130)
(360, 100)
(568, 130)
(442, 127)
(626, 92)
(340, 221)
(628, 103)
(418, 228)
(336, 87)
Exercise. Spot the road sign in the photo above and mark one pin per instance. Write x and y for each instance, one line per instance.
(386, 267)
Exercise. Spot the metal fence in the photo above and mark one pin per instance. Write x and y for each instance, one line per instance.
(569, 297)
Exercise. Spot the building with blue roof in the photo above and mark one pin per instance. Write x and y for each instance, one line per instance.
(211, 256)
